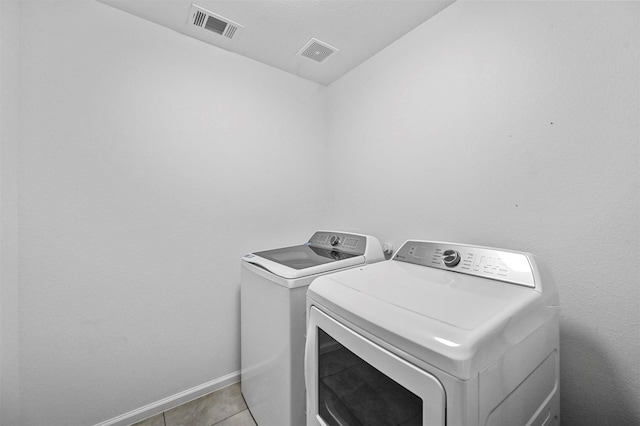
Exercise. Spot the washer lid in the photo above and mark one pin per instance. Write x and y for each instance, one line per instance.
(301, 261)
(457, 322)
(326, 251)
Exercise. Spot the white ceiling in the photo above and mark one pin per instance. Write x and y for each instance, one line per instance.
(275, 30)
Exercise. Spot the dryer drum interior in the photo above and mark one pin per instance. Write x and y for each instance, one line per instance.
(370, 397)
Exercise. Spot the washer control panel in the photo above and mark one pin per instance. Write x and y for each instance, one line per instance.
(349, 243)
(485, 262)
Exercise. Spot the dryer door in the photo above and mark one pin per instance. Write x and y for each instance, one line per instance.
(352, 381)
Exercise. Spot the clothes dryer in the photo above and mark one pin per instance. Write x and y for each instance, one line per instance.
(443, 334)
(273, 288)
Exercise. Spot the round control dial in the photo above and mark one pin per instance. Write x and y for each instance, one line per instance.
(334, 240)
(450, 258)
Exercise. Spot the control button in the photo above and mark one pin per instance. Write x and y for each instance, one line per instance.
(334, 240)
(450, 258)
(351, 242)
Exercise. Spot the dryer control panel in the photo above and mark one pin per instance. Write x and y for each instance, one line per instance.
(348, 243)
(496, 264)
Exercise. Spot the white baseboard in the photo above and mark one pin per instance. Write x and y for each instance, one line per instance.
(172, 401)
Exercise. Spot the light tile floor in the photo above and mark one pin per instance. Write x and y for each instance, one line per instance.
(225, 407)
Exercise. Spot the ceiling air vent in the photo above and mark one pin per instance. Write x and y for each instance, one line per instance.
(317, 50)
(206, 20)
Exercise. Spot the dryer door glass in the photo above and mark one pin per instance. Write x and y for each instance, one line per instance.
(352, 381)
(352, 392)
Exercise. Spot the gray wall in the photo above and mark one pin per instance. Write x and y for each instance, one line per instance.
(9, 134)
(149, 164)
(514, 124)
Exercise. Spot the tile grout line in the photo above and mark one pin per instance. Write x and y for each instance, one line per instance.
(228, 417)
(241, 409)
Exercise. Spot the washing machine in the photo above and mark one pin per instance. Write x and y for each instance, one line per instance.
(272, 297)
(442, 334)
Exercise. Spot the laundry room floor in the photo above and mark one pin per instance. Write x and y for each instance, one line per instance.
(225, 407)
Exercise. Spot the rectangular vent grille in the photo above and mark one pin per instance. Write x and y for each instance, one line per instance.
(199, 18)
(231, 31)
(217, 24)
(317, 50)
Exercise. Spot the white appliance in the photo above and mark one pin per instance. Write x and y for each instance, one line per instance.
(443, 334)
(272, 292)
